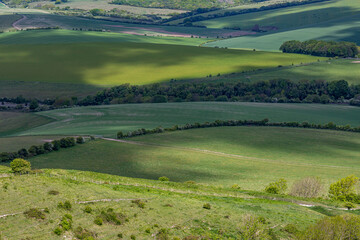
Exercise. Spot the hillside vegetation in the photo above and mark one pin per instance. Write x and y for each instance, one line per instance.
(108, 120)
(135, 63)
(145, 209)
(219, 156)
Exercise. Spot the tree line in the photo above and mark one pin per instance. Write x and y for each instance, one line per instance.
(228, 123)
(321, 48)
(36, 150)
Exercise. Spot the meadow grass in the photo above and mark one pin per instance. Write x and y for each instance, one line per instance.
(107, 120)
(6, 21)
(332, 70)
(344, 29)
(248, 156)
(12, 122)
(178, 208)
(134, 63)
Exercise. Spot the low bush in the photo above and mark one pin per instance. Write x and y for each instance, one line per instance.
(207, 206)
(309, 187)
(88, 209)
(139, 203)
(252, 228)
(66, 205)
(164, 179)
(84, 234)
(111, 217)
(278, 187)
(53, 192)
(35, 213)
(98, 221)
(20, 166)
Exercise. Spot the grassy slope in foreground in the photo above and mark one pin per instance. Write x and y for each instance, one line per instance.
(172, 208)
(332, 70)
(135, 63)
(107, 120)
(249, 156)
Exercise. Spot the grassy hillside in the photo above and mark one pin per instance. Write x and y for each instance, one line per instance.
(344, 29)
(135, 63)
(177, 208)
(107, 120)
(68, 36)
(219, 156)
(13, 122)
(291, 17)
(6, 21)
(332, 70)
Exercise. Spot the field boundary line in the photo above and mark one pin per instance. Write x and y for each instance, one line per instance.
(228, 155)
(15, 24)
(111, 200)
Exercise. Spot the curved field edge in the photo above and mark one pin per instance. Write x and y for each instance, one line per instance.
(135, 63)
(219, 156)
(108, 120)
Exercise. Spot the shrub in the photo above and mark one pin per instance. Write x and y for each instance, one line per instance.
(58, 231)
(164, 179)
(291, 228)
(139, 203)
(309, 187)
(80, 140)
(162, 234)
(82, 233)
(349, 205)
(56, 145)
(120, 235)
(98, 221)
(277, 187)
(34, 213)
(132, 237)
(343, 189)
(53, 192)
(111, 217)
(88, 209)
(338, 227)
(236, 186)
(66, 205)
(20, 166)
(207, 206)
(66, 222)
(252, 228)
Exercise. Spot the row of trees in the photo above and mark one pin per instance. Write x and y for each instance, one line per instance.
(321, 48)
(278, 90)
(41, 149)
(221, 123)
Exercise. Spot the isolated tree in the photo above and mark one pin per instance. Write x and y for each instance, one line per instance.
(20, 166)
(343, 189)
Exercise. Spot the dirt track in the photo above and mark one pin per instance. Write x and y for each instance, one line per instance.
(16, 24)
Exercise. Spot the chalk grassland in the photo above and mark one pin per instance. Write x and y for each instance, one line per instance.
(107, 120)
(134, 63)
(332, 70)
(249, 156)
(12, 122)
(345, 29)
(172, 206)
(291, 17)
(69, 36)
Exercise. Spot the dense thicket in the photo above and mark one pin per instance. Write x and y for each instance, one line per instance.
(221, 123)
(321, 48)
(264, 91)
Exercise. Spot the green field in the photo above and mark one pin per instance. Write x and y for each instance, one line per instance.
(172, 206)
(219, 156)
(345, 29)
(13, 122)
(290, 17)
(69, 36)
(332, 70)
(134, 63)
(6, 21)
(13, 144)
(107, 120)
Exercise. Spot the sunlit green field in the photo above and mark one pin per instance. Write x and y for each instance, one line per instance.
(108, 120)
(248, 156)
(333, 70)
(135, 63)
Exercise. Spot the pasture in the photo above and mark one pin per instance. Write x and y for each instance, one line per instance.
(105, 64)
(13, 144)
(108, 120)
(344, 29)
(332, 70)
(249, 156)
(13, 122)
(6, 21)
(165, 205)
(290, 17)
